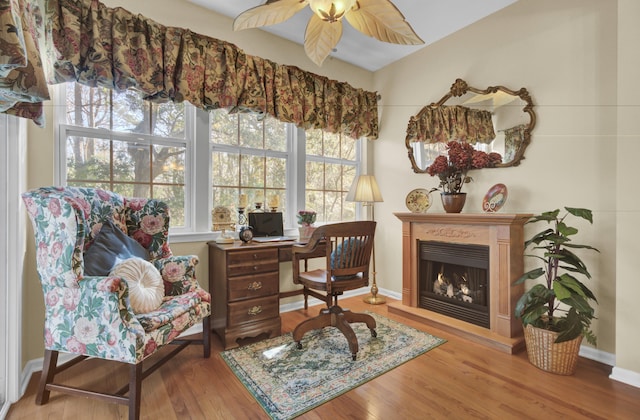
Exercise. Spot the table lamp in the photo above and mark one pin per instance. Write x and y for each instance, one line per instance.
(365, 190)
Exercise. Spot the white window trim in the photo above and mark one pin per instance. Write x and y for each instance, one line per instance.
(12, 256)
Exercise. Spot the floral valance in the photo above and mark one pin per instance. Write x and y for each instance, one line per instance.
(23, 86)
(100, 46)
(513, 139)
(444, 123)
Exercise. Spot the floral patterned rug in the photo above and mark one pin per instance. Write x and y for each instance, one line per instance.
(288, 382)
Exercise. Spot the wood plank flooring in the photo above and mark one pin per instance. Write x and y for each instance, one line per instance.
(457, 380)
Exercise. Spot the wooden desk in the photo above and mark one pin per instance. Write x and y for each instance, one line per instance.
(244, 281)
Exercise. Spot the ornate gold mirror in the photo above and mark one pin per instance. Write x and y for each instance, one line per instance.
(495, 119)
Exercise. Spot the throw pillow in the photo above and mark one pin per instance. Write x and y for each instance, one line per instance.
(146, 288)
(350, 245)
(109, 247)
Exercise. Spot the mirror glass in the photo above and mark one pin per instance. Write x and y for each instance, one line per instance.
(495, 119)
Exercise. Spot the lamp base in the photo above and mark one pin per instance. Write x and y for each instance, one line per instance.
(374, 300)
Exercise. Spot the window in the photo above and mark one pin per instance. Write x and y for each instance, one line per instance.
(331, 167)
(258, 157)
(195, 160)
(249, 155)
(119, 142)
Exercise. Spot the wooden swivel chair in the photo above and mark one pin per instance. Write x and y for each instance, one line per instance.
(348, 249)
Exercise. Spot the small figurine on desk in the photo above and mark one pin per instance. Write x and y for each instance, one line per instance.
(221, 220)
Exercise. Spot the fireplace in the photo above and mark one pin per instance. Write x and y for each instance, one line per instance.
(452, 280)
(458, 272)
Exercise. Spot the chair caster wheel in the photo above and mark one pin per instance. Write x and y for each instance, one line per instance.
(299, 345)
(374, 334)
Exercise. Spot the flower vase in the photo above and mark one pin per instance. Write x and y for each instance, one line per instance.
(305, 232)
(453, 202)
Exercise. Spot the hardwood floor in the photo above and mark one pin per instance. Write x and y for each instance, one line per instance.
(457, 380)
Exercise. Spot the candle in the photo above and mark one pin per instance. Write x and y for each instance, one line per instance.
(259, 196)
(244, 201)
(274, 201)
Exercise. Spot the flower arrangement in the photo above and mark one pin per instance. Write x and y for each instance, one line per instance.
(306, 217)
(452, 169)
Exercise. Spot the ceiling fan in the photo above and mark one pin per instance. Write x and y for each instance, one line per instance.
(379, 19)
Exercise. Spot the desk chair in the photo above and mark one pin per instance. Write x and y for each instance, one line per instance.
(348, 249)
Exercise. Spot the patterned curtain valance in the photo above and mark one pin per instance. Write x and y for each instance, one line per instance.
(513, 139)
(100, 46)
(23, 86)
(444, 123)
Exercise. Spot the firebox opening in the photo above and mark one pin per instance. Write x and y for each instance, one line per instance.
(453, 280)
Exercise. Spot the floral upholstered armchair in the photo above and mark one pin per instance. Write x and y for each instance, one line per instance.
(79, 234)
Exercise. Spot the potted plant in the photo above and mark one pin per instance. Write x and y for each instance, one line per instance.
(306, 219)
(557, 313)
(452, 171)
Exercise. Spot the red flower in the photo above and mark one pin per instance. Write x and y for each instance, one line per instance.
(452, 169)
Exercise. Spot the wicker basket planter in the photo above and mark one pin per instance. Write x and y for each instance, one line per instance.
(558, 358)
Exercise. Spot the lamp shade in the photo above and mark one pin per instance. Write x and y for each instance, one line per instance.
(364, 190)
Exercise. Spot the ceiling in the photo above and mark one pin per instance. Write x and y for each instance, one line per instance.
(431, 19)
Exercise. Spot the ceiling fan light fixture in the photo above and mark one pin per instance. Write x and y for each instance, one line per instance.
(331, 10)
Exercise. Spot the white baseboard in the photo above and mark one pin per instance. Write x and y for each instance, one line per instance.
(628, 377)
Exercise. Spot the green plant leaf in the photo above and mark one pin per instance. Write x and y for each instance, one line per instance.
(572, 262)
(548, 216)
(533, 303)
(586, 214)
(566, 230)
(579, 304)
(572, 283)
(539, 237)
(530, 275)
(560, 290)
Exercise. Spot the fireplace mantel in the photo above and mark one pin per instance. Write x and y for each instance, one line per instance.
(504, 235)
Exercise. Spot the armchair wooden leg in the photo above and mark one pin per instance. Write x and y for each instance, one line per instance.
(135, 388)
(48, 373)
(206, 336)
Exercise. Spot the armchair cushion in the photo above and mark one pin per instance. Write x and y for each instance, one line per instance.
(146, 288)
(342, 255)
(110, 246)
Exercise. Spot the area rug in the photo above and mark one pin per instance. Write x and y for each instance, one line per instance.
(288, 382)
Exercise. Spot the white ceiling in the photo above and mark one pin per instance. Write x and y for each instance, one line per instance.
(431, 19)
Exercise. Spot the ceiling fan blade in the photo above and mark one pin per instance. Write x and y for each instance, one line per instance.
(320, 38)
(382, 20)
(271, 13)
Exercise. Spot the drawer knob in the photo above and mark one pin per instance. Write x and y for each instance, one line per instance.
(256, 285)
(255, 256)
(254, 311)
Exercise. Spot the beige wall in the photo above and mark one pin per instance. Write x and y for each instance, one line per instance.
(627, 205)
(566, 53)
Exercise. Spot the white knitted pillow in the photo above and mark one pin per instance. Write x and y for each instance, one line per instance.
(146, 289)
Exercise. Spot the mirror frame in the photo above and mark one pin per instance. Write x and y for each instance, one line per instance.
(459, 88)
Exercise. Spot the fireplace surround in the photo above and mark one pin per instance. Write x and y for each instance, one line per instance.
(503, 237)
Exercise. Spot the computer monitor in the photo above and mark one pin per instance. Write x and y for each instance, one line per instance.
(266, 224)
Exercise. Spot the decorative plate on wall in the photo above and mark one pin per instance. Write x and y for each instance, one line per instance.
(418, 200)
(495, 198)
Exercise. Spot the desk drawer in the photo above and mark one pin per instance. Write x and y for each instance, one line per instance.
(253, 310)
(252, 261)
(265, 284)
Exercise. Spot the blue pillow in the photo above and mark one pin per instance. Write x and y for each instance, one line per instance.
(351, 244)
(110, 247)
